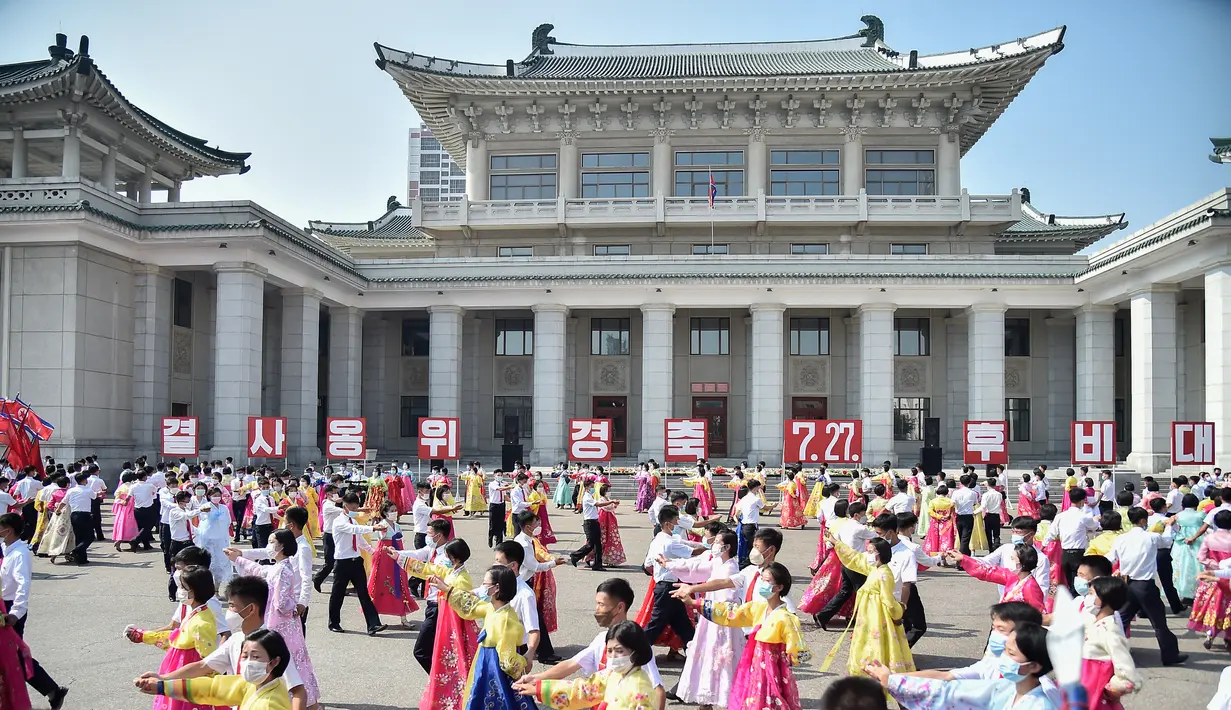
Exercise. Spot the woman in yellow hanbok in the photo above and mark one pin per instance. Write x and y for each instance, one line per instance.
(476, 498)
(1112, 529)
(878, 634)
(978, 536)
(621, 684)
(813, 507)
(496, 663)
(42, 504)
(194, 639)
(313, 531)
(258, 686)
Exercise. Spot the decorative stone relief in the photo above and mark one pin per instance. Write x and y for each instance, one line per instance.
(911, 376)
(609, 375)
(513, 376)
(414, 375)
(181, 351)
(1017, 376)
(809, 375)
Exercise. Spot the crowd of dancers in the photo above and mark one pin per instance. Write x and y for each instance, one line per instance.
(239, 546)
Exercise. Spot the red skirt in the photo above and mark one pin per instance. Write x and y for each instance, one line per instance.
(388, 585)
(1211, 612)
(452, 654)
(825, 586)
(667, 639)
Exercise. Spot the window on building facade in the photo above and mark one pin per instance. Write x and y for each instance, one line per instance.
(1017, 337)
(411, 411)
(457, 171)
(416, 337)
(523, 177)
(809, 336)
(693, 170)
(516, 251)
(429, 143)
(609, 336)
(896, 172)
(429, 194)
(809, 248)
(711, 336)
(611, 250)
(1119, 337)
(429, 160)
(908, 416)
(701, 249)
(908, 249)
(429, 177)
(615, 175)
(1121, 418)
(181, 409)
(520, 407)
(457, 185)
(800, 172)
(1017, 413)
(911, 336)
(181, 299)
(515, 336)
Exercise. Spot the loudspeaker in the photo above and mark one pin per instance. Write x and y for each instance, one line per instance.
(929, 460)
(510, 454)
(512, 429)
(931, 432)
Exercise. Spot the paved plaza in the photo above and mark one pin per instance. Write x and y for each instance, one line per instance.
(77, 615)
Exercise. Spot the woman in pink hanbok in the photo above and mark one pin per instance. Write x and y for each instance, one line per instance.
(1026, 504)
(1211, 612)
(125, 527)
(942, 525)
(1018, 583)
(281, 612)
(714, 652)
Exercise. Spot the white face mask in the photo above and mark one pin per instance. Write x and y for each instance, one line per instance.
(254, 671)
(181, 595)
(620, 663)
(717, 549)
(235, 622)
(872, 558)
(756, 558)
(215, 499)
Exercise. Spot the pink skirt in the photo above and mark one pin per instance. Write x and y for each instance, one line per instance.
(825, 586)
(1211, 612)
(764, 679)
(1094, 676)
(124, 529)
(176, 659)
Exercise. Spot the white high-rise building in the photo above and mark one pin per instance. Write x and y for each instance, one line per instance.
(431, 175)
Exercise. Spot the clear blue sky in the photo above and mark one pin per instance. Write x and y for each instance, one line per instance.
(1118, 121)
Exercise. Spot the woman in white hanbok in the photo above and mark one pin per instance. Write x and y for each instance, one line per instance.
(714, 652)
(214, 535)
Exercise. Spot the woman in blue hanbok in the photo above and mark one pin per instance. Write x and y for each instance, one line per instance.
(214, 535)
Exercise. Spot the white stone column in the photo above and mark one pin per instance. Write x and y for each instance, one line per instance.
(151, 355)
(237, 355)
(662, 164)
(851, 371)
(570, 372)
(948, 165)
(985, 361)
(957, 358)
(1218, 359)
(471, 328)
(374, 384)
(173, 192)
(145, 187)
(345, 357)
(444, 380)
(852, 172)
(300, 372)
(757, 160)
(108, 176)
(657, 383)
(72, 153)
(476, 172)
(1061, 383)
(549, 348)
(568, 180)
(20, 153)
(876, 381)
(1096, 356)
(766, 387)
(1153, 377)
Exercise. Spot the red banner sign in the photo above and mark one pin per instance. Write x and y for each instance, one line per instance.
(346, 438)
(179, 436)
(827, 441)
(439, 438)
(589, 439)
(1094, 444)
(267, 437)
(1192, 443)
(686, 440)
(985, 443)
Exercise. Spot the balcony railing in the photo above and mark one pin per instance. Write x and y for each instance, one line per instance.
(838, 209)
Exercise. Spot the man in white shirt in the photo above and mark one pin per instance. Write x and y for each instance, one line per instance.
(264, 514)
(79, 501)
(905, 576)
(829, 496)
(159, 477)
(496, 491)
(1156, 523)
(15, 578)
(851, 531)
(166, 501)
(660, 500)
(348, 567)
(668, 610)
(1137, 552)
(145, 506)
(991, 503)
(535, 644)
(330, 510)
(748, 515)
(1107, 492)
(612, 600)
(1072, 528)
(964, 502)
(902, 501)
(99, 488)
(589, 525)
(1024, 528)
(7, 501)
(1175, 497)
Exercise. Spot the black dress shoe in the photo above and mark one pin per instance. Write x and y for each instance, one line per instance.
(336, 629)
(377, 629)
(316, 584)
(552, 659)
(1178, 660)
(57, 698)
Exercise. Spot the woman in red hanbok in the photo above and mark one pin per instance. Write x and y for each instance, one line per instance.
(828, 578)
(16, 665)
(792, 514)
(538, 500)
(1019, 585)
(609, 528)
(942, 525)
(388, 585)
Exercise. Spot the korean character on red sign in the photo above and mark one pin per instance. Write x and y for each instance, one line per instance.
(1192, 443)
(439, 438)
(985, 443)
(686, 440)
(345, 438)
(589, 439)
(267, 437)
(1094, 443)
(823, 441)
(179, 436)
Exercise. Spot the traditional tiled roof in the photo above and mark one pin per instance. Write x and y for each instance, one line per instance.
(69, 74)
(1040, 226)
(860, 62)
(1222, 150)
(392, 229)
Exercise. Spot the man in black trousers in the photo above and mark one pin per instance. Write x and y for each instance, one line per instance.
(668, 611)
(855, 535)
(1137, 552)
(495, 509)
(79, 500)
(589, 525)
(348, 568)
(15, 579)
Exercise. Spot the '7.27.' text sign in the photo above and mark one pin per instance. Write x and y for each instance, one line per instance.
(985, 443)
(827, 441)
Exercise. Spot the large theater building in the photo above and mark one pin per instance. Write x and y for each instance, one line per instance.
(840, 271)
